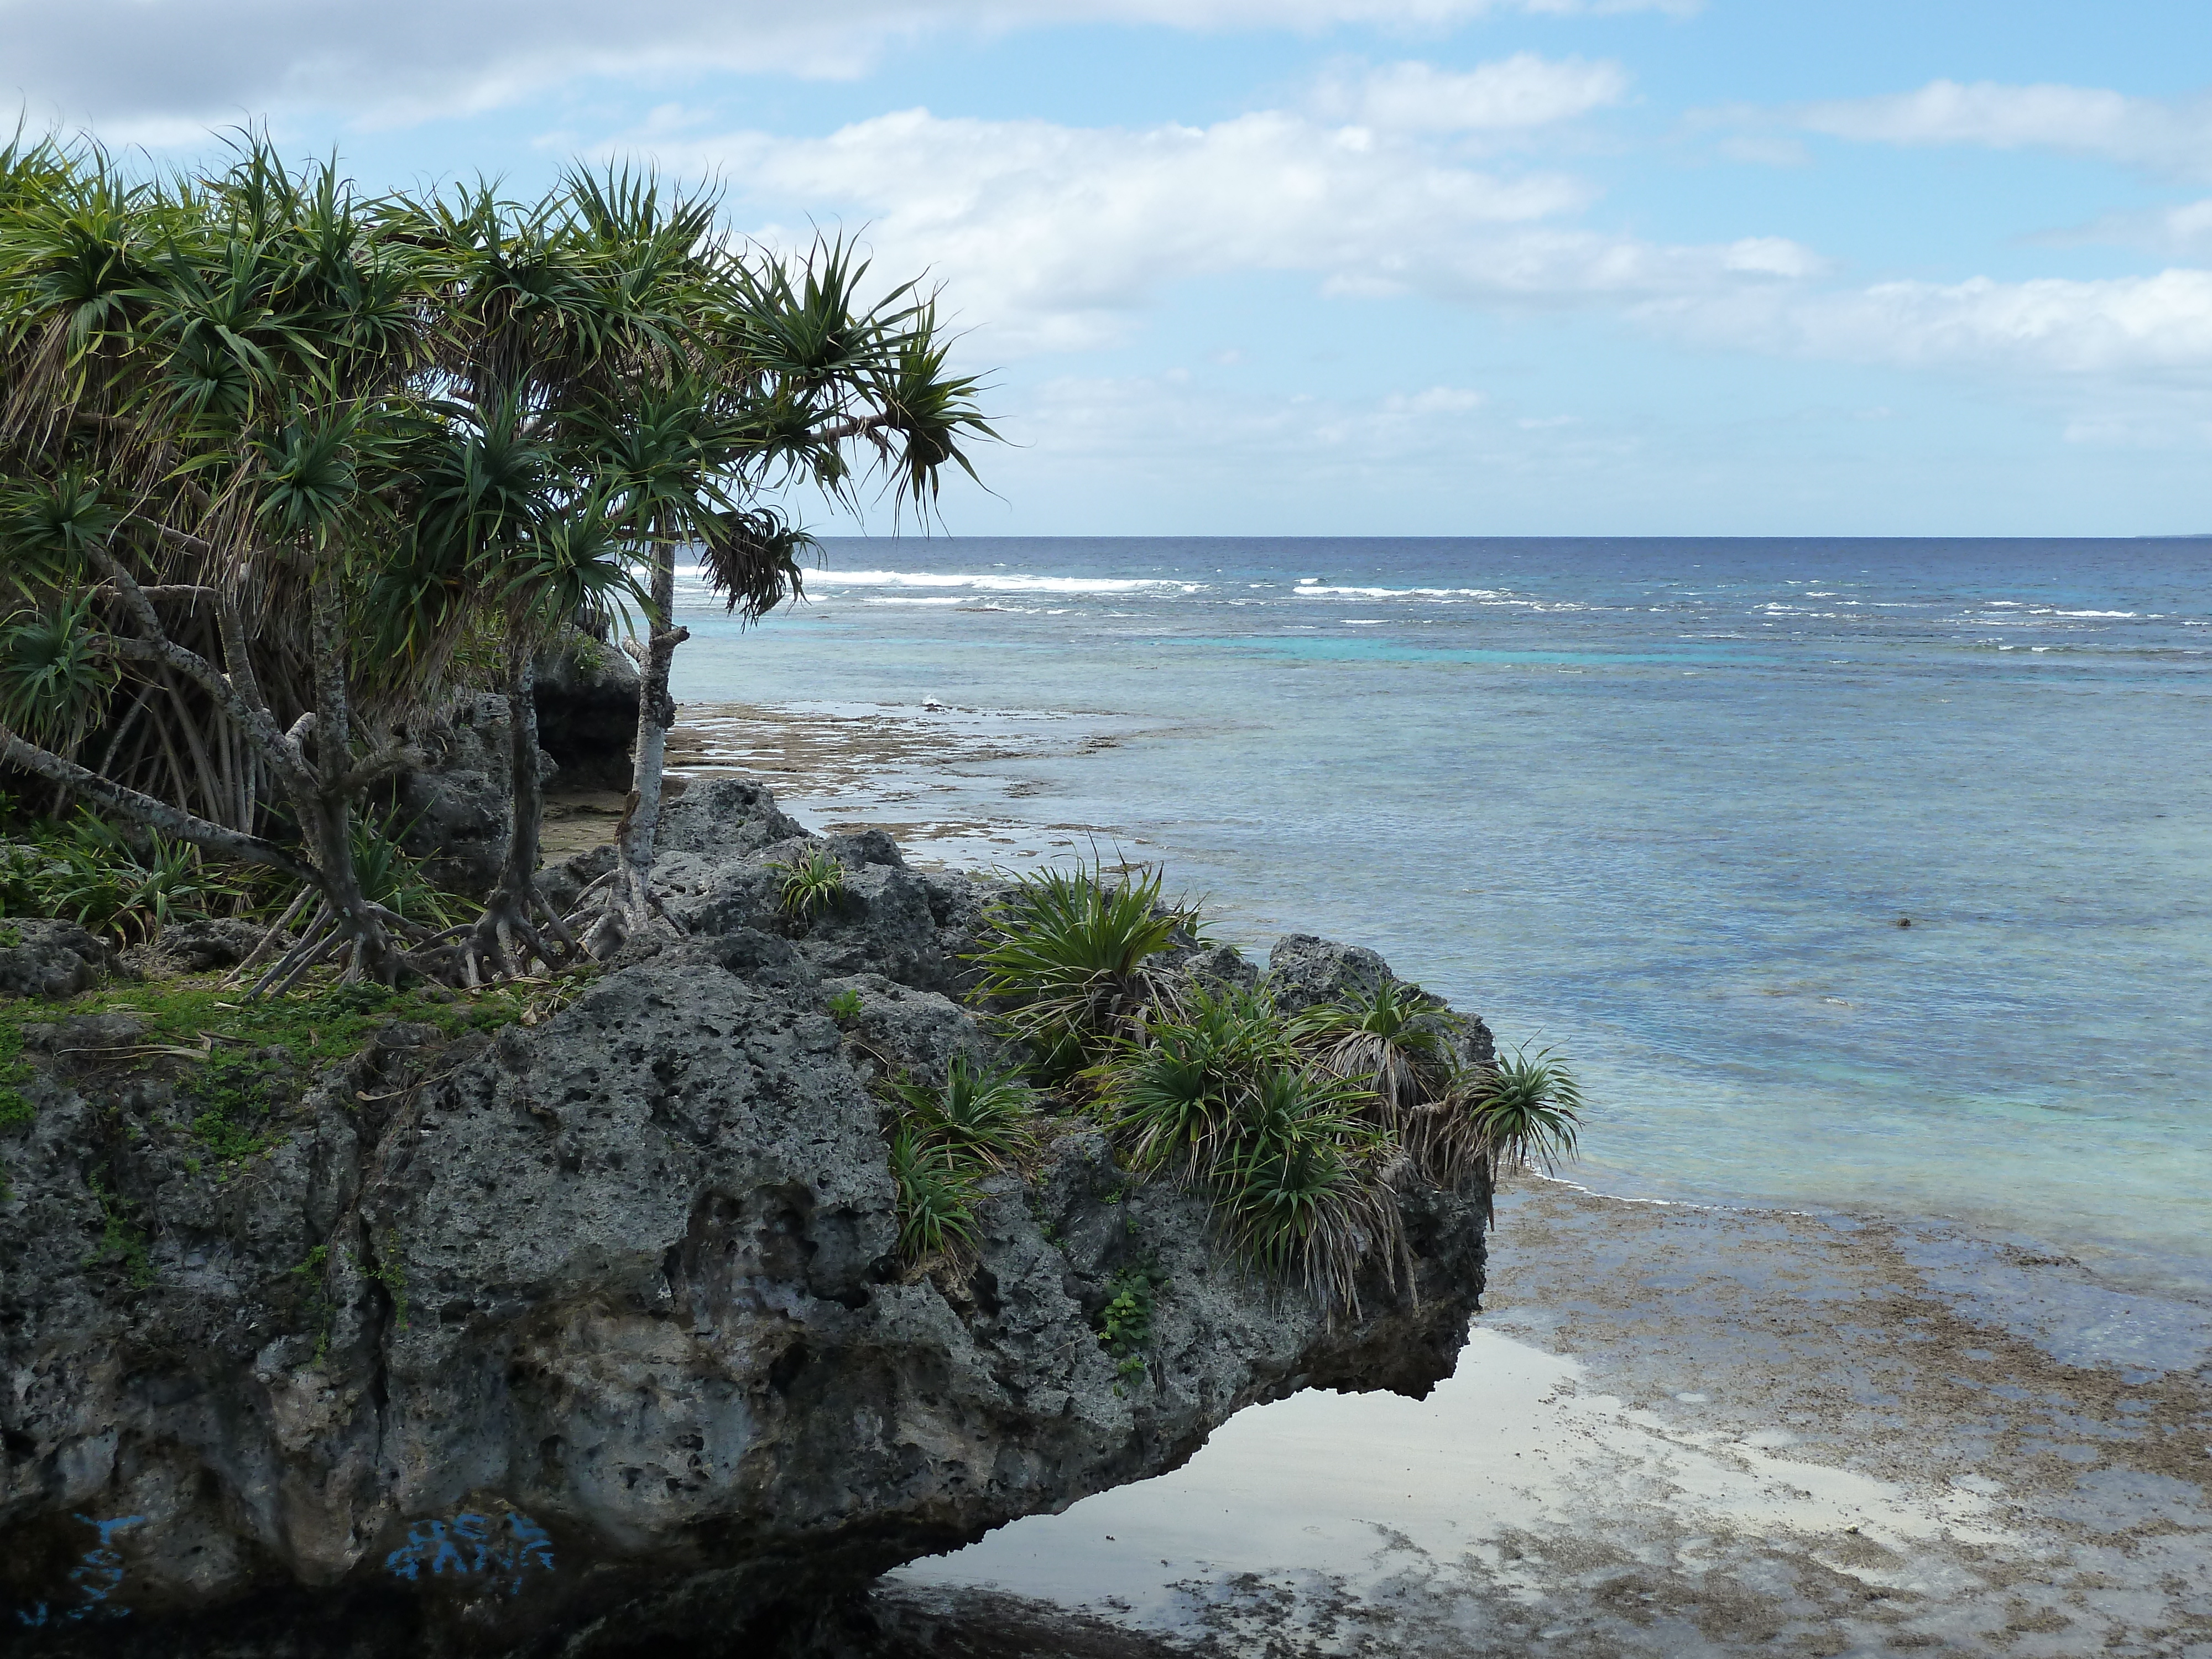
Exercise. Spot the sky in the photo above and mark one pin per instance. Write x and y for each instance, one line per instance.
(1392, 267)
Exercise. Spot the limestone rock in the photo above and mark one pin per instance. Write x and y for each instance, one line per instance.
(210, 942)
(589, 1338)
(724, 816)
(51, 958)
(457, 808)
(586, 698)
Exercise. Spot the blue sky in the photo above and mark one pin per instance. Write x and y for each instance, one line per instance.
(1389, 266)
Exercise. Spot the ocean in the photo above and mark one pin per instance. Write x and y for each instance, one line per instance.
(1662, 806)
(1864, 886)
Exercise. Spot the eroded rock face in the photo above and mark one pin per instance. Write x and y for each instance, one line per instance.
(586, 698)
(588, 1339)
(49, 958)
(457, 808)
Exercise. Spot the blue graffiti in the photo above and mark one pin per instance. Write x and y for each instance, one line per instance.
(471, 1545)
(96, 1577)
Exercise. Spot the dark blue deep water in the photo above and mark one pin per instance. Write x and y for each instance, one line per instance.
(1661, 804)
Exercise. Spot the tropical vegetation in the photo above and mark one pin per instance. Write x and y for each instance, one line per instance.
(1302, 1129)
(283, 465)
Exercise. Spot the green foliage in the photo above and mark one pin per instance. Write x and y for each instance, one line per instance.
(982, 1117)
(1172, 1097)
(845, 1006)
(1125, 1323)
(120, 1239)
(56, 672)
(393, 878)
(1392, 1035)
(937, 1197)
(945, 1139)
(239, 1095)
(1065, 957)
(391, 1273)
(1523, 1112)
(809, 884)
(401, 425)
(1291, 1156)
(321, 1312)
(16, 1108)
(107, 883)
(1302, 1186)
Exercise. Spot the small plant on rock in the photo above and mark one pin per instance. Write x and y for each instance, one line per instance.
(845, 1006)
(1125, 1323)
(1525, 1111)
(983, 1116)
(810, 884)
(1302, 1188)
(1519, 1114)
(937, 1198)
(1171, 1096)
(1066, 955)
(1394, 1036)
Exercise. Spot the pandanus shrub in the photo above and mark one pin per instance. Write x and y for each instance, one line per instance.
(1393, 1035)
(1522, 1112)
(1172, 1096)
(944, 1139)
(1067, 960)
(1218, 1096)
(1301, 1185)
(277, 457)
(981, 1114)
(937, 1197)
(809, 885)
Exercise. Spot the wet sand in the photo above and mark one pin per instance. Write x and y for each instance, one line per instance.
(1683, 1430)
(1677, 1429)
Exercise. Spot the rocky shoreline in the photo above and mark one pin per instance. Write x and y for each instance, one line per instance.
(585, 1336)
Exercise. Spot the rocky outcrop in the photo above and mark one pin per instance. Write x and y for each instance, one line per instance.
(456, 810)
(587, 1337)
(42, 959)
(588, 712)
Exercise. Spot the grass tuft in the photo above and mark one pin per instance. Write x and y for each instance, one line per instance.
(811, 884)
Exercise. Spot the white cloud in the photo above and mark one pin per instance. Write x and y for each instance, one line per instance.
(129, 65)
(1518, 92)
(2146, 132)
(1055, 234)
(2180, 231)
(2143, 327)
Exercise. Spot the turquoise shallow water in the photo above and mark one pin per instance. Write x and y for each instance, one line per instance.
(1661, 804)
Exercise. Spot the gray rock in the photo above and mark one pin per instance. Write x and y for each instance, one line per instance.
(901, 1029)
(207, 943)
(50, 958)
(588, 1338)
(724, 817)
(456, 810)
(1215, 966)
(586, 697)
(1303, 969)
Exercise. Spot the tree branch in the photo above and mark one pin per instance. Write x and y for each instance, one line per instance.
(395, 757)
(235, 844)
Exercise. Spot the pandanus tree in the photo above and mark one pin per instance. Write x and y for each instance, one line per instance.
(267, 450)
(209, 387)
(685, 385)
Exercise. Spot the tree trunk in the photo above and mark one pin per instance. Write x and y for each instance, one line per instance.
(326, 811)
(328, 820)
(656, 713)
(504, 939)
